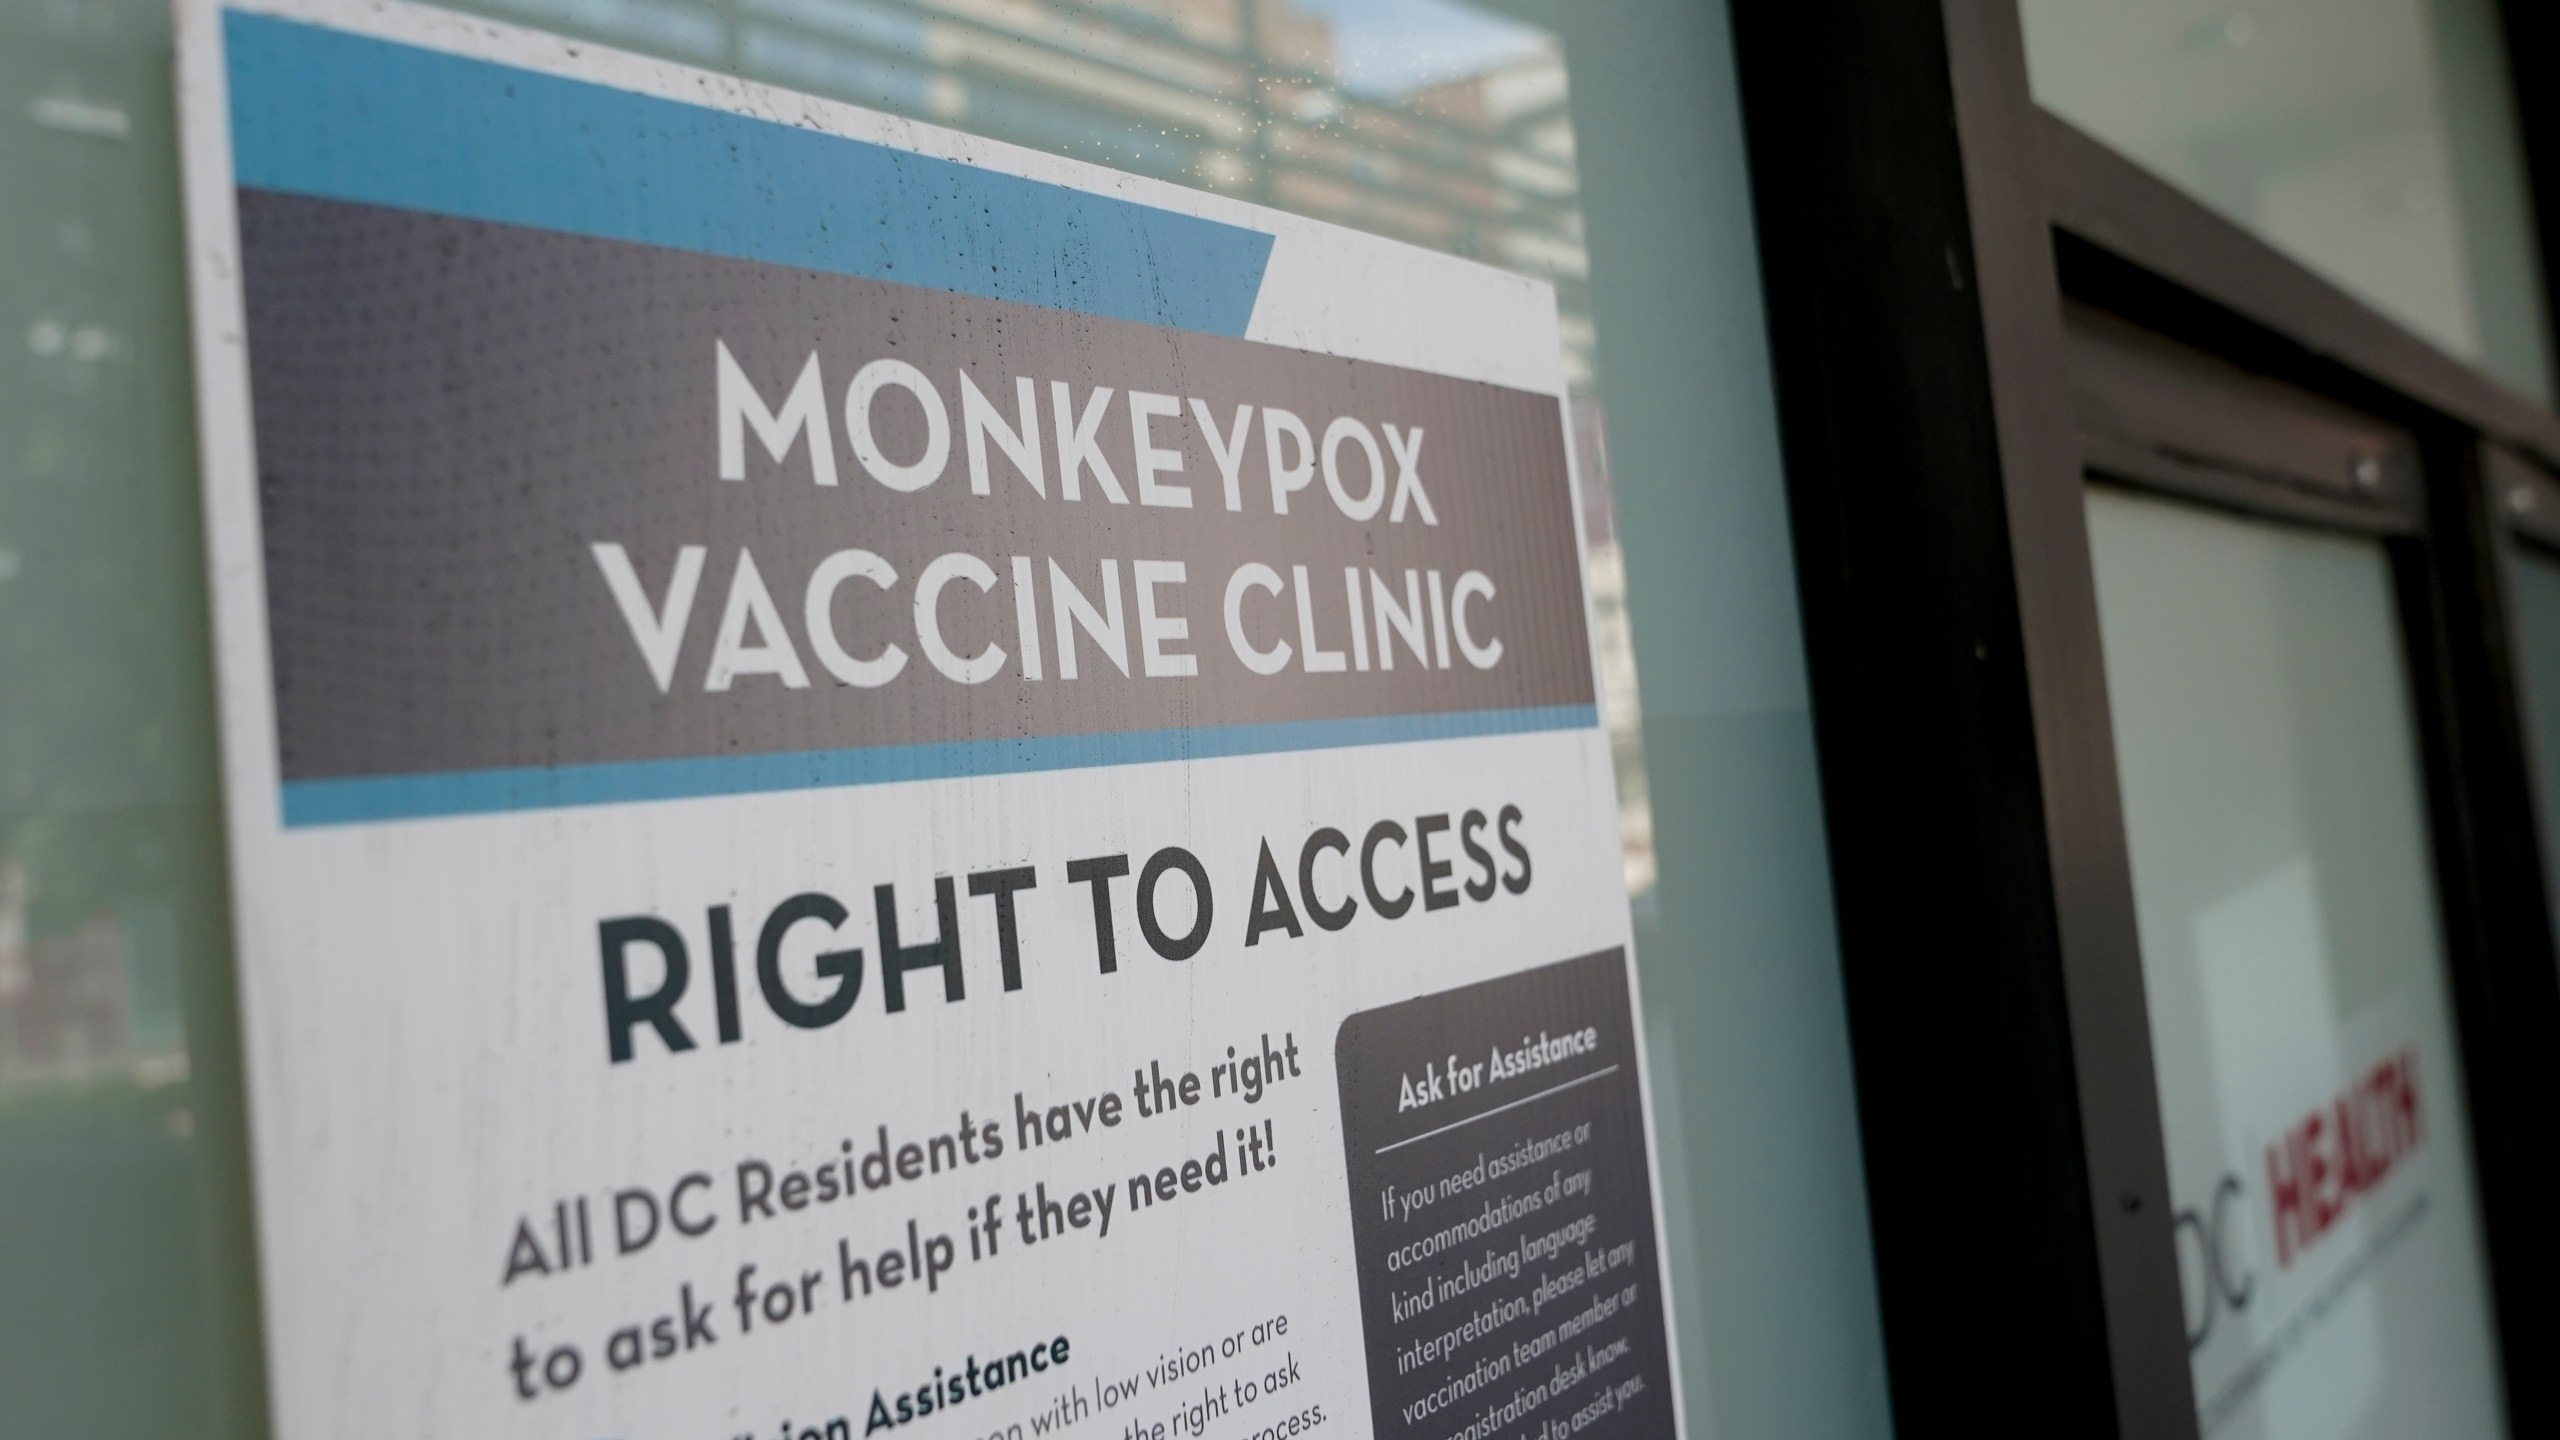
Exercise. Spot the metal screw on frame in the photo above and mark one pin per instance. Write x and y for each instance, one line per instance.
(2366, 472)
(2521, 500)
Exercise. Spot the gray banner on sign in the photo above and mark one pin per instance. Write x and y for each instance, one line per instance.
(452, 416)
(1502, 1209)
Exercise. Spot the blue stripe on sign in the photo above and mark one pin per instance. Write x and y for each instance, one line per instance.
(477, 792)
(322, 112)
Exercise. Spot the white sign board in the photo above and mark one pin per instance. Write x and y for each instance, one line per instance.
(883, 783)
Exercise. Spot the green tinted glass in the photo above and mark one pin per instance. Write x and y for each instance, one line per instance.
(1598, 148)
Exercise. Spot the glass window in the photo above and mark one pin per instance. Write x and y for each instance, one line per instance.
(2311, 1097)
(1596, 147)
(126, 1275)
(2372, 140)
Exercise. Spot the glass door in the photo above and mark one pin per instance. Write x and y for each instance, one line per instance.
(2268, 744)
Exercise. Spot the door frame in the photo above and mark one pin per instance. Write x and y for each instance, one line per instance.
(1923, 226)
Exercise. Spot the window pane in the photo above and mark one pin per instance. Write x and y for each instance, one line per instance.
(126, 1294)
(2372, 140)
(2311, 1098)
(1520, 134)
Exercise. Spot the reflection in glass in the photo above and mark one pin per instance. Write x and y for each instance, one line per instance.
(2373, 140)
(2311, 1098)
(125, 1300)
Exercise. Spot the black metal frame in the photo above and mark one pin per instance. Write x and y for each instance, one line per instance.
(1926, 229)
(2532, 33)
(2519, 512)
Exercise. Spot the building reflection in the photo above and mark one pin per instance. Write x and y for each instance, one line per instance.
(1430, 121)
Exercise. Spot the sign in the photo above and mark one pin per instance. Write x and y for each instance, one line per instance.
(879, 783)
(2316, 1147)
